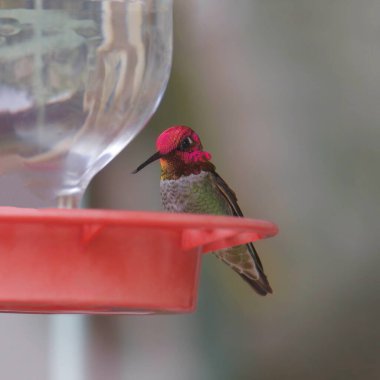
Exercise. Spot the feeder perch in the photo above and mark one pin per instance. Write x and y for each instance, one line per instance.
(110, 262)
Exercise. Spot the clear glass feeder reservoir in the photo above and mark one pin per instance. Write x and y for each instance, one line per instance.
(78, 80)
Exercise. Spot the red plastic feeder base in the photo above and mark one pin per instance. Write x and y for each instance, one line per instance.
(108, 262)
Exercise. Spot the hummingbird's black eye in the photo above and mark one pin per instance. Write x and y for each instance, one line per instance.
(186, 143)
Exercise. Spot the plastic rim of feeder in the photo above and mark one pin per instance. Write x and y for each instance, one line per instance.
(110, 262)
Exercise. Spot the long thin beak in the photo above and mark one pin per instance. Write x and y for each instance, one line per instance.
(151, 159)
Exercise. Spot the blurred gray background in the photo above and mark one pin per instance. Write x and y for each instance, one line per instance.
(286, 96)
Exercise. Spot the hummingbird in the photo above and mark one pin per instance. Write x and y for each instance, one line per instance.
(189, 183)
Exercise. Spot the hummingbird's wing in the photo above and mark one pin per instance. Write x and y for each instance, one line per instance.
(250, 268)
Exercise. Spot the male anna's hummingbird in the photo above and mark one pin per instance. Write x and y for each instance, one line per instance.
(189, 183)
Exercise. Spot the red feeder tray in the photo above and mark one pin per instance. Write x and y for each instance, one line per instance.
(109, 262)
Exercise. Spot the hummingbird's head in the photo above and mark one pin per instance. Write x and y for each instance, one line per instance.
(180, 152)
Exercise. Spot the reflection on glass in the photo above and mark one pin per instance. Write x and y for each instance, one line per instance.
(78, 80)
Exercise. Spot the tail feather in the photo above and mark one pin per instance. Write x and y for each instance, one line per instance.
(262, 282)
(260, 286)
(245, 261)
